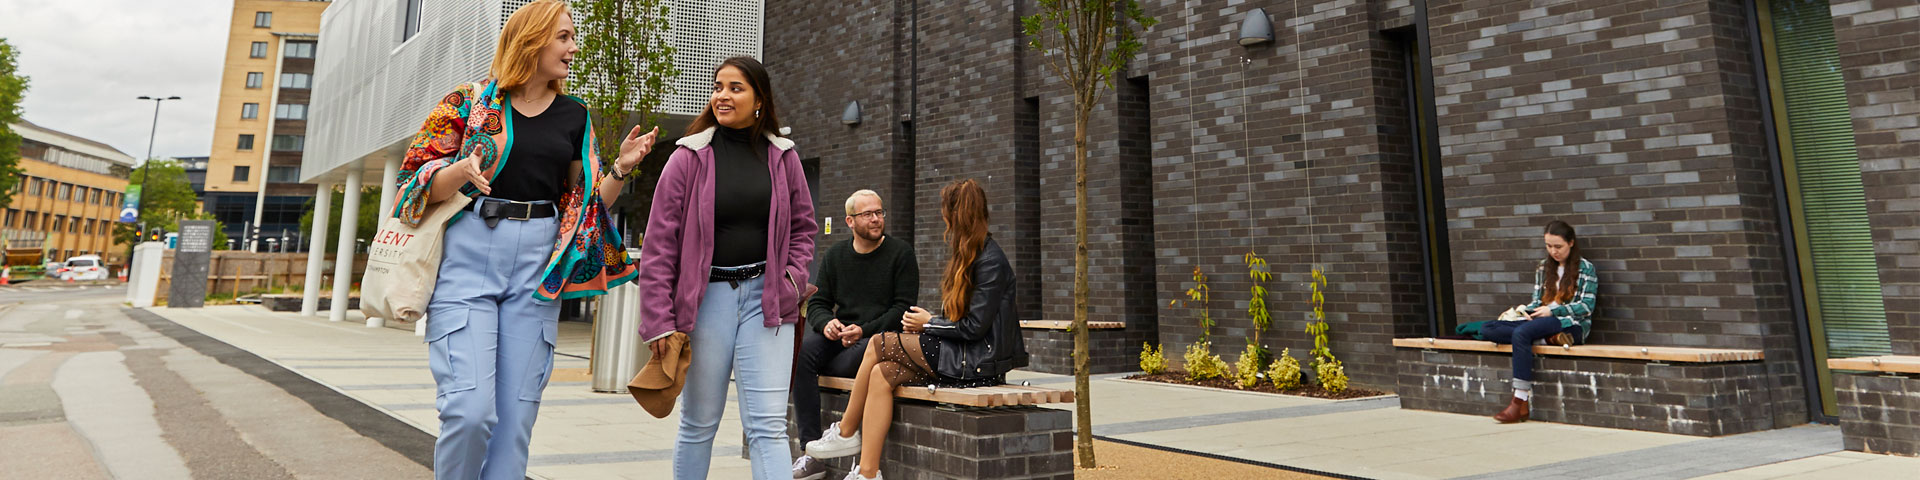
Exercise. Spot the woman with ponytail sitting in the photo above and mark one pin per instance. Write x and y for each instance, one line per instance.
(1561, 313)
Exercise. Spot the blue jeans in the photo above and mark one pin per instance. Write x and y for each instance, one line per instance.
(490, 345)
(730, 339)
(1522, 335)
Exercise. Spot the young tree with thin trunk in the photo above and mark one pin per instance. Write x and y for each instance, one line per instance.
(1085, 43)
(626, 66)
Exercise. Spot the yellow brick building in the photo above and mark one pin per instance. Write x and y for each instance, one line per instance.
(67, 199)
(260, 128)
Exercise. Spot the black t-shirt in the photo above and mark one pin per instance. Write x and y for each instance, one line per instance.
(742, 197)
(544, 147)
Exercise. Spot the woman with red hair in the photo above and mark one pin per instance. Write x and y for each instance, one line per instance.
(534, 234)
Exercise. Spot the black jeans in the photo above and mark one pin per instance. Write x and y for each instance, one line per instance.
(1521, 335)
(820, 356)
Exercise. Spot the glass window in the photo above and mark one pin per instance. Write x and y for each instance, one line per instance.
(33, 186)
(66, 192)
(289, 143)
(11, 213)
(299, 50)
(296, 80)
(410, 21)
(249, 111)
(254, 79)
(59, 222)
(240, 173)
(283, 174)
(262, 19)
(290, 111)
(259, 50)
(246, 141)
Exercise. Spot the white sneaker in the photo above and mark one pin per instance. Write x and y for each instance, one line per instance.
(832, 445)
(806, 468)
(855, 474)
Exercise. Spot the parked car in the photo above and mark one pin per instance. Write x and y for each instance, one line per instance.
(84, 267)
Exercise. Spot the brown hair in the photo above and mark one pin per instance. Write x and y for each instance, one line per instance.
(762, 85)
(526, 32)
(1561, 288)
(963, 205)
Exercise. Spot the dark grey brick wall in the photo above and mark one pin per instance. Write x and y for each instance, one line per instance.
(1880, 56)
(1709, 399)
(926, 442)
(1637, 121)
(1879, 413)
(1112, 351)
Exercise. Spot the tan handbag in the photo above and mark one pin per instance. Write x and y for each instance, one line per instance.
(403, 261)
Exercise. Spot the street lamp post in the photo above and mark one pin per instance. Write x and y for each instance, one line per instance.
(141, 206)
(154, 131)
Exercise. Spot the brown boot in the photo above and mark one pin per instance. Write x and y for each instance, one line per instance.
(1563, 339)
(1516, 412)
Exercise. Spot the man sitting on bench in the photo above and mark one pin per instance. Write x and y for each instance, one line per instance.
(866, 284)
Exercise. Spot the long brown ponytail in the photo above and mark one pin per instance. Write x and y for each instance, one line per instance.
(963, 205)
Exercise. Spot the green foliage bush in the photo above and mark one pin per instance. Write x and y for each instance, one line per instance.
(1203, 365)
(1152, 360)
(1285, 372)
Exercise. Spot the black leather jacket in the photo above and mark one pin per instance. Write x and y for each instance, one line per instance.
(986, 343)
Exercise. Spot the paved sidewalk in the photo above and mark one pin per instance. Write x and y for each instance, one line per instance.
(582, 434)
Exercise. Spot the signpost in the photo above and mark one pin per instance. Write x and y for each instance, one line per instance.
(188, 288)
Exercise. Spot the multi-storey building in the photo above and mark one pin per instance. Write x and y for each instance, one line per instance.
(253, 170)
(67, 199)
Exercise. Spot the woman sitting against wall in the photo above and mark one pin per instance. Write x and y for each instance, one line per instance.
(1561, 313)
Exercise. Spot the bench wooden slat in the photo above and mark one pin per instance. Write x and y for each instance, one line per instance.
(1664, 354)
(1883, 363)
(1067, 325)
(993, 396)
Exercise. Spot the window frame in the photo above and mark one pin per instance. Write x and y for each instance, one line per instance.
(257, 50)
(256, 79)
(249, 111)
(262, 19)
(242, 173)
(245, 142)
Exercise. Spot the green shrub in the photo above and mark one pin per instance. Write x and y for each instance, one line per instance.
(1152, 360)
(1285, 372)
(1332, 376)
(1203, 365)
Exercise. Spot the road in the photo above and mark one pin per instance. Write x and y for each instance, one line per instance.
(90, 389)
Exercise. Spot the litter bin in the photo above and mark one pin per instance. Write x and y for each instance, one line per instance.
(618, 351)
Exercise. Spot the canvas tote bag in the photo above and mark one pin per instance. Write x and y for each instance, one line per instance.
(403, 261)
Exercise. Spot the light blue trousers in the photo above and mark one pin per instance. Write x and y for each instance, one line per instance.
(730, 338)
(490, 345)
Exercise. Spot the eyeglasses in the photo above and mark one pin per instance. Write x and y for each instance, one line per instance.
(880, 213)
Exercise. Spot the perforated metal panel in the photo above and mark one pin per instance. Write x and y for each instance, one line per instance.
(371, 92)
(706, 32)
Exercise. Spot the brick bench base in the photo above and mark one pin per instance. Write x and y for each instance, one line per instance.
(1114, 349)
(1879, 413)
(928, 441)
(1706, 399)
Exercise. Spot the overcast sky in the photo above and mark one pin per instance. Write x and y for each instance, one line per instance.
(89, 59)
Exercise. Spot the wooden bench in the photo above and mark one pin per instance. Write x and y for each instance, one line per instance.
(1683, 390)
(1068, 325)
(994, 396)
(1002, 432)
(1875, 416)
(1654, 354)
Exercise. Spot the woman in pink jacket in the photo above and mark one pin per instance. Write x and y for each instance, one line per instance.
(724, 260)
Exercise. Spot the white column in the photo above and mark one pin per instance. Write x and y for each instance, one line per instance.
(317, 254)
(343, 256)
(389, 175)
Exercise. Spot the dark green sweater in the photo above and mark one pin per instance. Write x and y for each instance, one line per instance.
(871, 290)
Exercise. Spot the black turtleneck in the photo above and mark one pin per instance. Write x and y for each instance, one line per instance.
(742, 197)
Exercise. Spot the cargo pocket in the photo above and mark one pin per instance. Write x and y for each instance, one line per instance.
(540, 367)
(450, 352)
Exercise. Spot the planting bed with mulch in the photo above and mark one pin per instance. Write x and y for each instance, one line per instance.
(1177, 377)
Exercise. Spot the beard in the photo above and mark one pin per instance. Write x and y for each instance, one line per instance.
(871, 235)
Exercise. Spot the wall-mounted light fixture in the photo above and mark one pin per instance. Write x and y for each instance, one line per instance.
(1256, 28)
(851, 116)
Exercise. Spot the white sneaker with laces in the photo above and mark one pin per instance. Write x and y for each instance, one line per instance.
(832, 445)
(855, 475)
(806, 468)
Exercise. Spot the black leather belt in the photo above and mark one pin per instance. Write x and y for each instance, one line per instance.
(734, 275)
(492, 210)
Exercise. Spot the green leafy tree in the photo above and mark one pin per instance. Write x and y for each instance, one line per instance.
(627, 64)
(169, 199)
(1085, 42)
(13, 89)
(369, 221)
